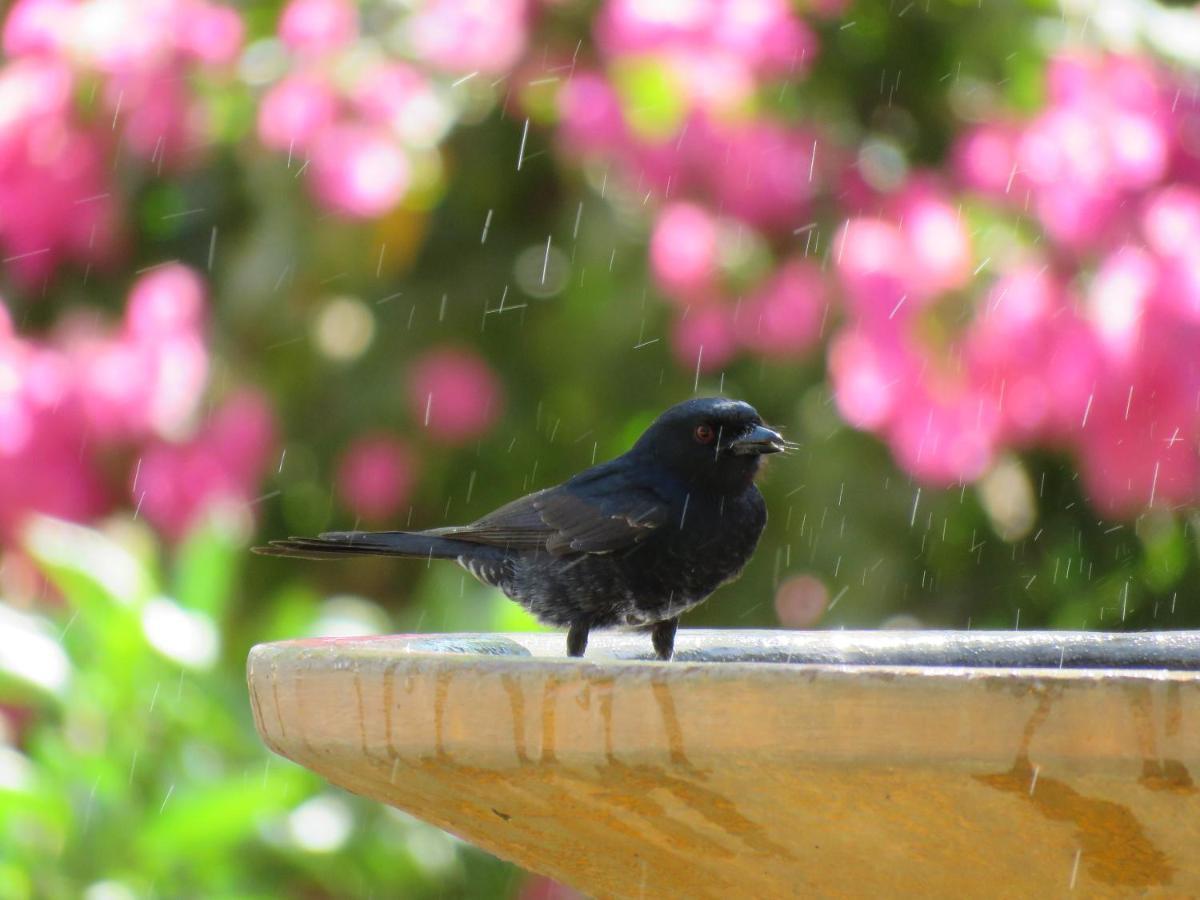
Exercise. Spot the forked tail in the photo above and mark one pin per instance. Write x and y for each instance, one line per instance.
(346, 544)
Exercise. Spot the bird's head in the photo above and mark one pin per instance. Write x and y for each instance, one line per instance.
(711, 442)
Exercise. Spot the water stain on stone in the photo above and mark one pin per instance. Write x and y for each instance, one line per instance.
(666, 706)
(275, 694)
(1167, 775)
(1115, 847)
(516, 702)
(604, 687)
(362, 712)
(1174, 716)
(299, 676)
(1159, 773)
(549, 729)
(717, 810)
(389, 702)
(1113, 844)
(441, 690)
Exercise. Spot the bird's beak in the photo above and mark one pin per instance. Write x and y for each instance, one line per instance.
(757, 440)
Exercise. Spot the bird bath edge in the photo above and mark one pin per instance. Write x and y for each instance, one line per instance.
(767, 763)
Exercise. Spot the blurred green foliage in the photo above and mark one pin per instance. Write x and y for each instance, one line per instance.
(140, 773)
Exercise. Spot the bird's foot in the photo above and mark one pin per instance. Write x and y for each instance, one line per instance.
(662, 635)
(577, 638)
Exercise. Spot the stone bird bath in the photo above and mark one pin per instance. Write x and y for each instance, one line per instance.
(772, 764)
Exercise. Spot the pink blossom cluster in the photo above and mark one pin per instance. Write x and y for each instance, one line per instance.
(94, 415)
(81, 79)
(454, 397)
(1086, 342)
(727, 176)
(356, 126)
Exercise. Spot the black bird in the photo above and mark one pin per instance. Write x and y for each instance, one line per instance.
(635, 541)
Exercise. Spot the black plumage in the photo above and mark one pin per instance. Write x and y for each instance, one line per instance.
(635, 541)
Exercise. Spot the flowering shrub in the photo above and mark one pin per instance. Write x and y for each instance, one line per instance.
(71, 402)
(1084, 342)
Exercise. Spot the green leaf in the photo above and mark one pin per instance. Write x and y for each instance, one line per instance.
(33, 665)
(652, 99)
(94, 572)
(210, 819)
(206, 568)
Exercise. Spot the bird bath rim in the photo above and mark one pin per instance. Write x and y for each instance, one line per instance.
(939, 650)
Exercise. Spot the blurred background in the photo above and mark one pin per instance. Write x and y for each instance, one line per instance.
(277, 268)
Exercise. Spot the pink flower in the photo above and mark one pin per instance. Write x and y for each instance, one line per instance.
(800, 601)
(872, 262)
(763, 175)
(868, 379)
(683, 250)
(986, 161)
(939, 250)
(944, 437)
(45, 466)
(177, 483)
(211, 34)
(590, 115)
(167, 301)
(48, 475)
(628, 27)
(54, 190)
(1118, 300)
(470, 35)
(704, 338)
(295, 112)
(1140, 454)
(764, 36)
(766, 32)
(376, 476)
(37, 26)
(1032, 354)
(454, 395)
(400, 98)
(243, 430)
(148, 379)
(155, 112)
(358, 170)
(317, 27)
(1171, 220)
(783, 318)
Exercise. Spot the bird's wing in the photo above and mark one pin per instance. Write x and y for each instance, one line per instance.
(600, 516)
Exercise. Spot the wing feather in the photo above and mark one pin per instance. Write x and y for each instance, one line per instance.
(598, 517)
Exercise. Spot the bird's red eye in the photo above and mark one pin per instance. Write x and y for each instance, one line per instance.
(704, 434)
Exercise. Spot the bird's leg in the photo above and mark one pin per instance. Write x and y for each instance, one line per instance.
(577, 638)
(662, 635)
